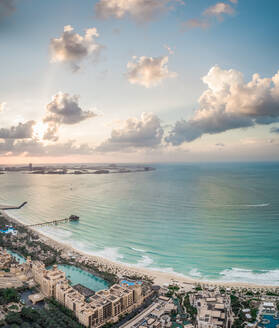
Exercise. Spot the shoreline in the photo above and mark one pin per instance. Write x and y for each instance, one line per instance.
(120, 269)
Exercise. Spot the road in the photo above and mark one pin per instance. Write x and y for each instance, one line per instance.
(140, 316)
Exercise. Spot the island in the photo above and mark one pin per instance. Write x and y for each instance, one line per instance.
(77, 169)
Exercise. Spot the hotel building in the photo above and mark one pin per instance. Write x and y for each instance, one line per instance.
(104, 306)
(5, 259)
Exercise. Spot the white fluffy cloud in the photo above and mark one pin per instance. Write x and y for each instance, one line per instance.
(141, 10)
(28, 138)
(65, 109)
(148, 71)
(219, 9)
(145, 132)
(73, 48)
(33, 147)
(20, 131)
(230, 103)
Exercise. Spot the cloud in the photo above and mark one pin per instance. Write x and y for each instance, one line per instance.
(3, 105)
(145, 132)
(72, 48)
(7, 7)
(230, 103)
(34, 147)
(141, 10)
(219, 9)
(51, 133)
(65, 109)
(148, 71)
(195, 23)
(21, 131)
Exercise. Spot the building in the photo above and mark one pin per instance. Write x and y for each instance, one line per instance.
(105, 306)
(268, 308)
(214, 310)
(5, 259)
(47, 279)
(102, 307)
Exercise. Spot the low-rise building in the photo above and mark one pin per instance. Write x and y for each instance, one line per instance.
(104, 306)
(213, 309)
(94, 311)
(5, 259)
(47, 279)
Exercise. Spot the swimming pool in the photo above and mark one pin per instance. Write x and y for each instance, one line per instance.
(75, 275)
(18, 257)
(129, 283)
(272, 322)
(85, 278)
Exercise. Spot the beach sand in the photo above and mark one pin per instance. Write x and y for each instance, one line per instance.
(159, 277)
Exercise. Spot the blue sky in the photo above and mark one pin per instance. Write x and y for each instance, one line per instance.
(239, 35)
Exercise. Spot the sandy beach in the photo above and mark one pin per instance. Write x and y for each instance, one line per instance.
(159, 277)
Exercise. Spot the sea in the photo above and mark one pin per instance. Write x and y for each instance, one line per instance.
(210, 221)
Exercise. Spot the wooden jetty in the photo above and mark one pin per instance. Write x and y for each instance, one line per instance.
(69, 219)
(7, 207)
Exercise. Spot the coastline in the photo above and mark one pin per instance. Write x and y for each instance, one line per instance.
(120, 269)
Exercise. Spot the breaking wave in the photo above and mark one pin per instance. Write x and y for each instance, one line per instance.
(138, 250)
(249, 205)
(267, 277)
(109, 253)
(195, 273)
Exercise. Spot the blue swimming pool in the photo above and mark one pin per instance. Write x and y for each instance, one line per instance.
(129, 283)
(9, 230)
(75, 275)
(272, 321)
(87, 279)
(18, 257)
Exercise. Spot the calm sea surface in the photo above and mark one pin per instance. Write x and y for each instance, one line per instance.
(211, 221)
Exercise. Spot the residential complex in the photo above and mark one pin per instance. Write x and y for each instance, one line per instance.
(5, 259)
(174, 305)
(213, 309)
(104, 306)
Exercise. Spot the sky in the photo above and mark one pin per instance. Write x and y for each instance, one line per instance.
(139, 81)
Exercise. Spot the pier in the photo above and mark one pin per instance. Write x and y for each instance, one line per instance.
(65, 220)
(7, 207)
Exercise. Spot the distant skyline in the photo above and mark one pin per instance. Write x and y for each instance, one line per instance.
(139, 81)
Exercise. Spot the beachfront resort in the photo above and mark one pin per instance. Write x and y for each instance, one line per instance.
(35, 269)
(95, 311)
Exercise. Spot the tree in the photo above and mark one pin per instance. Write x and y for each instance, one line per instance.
(29, 314)
(8, 295)
(13, 317)
(25, 325)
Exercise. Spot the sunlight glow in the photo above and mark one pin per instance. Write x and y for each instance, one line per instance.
(39, 129)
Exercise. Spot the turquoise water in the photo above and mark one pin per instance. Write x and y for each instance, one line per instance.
(75, 275)
(272, 322)
(87, 279)
(209, 221)
(20, 259)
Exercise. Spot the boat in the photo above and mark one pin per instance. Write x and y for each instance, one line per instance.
(74, 218)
